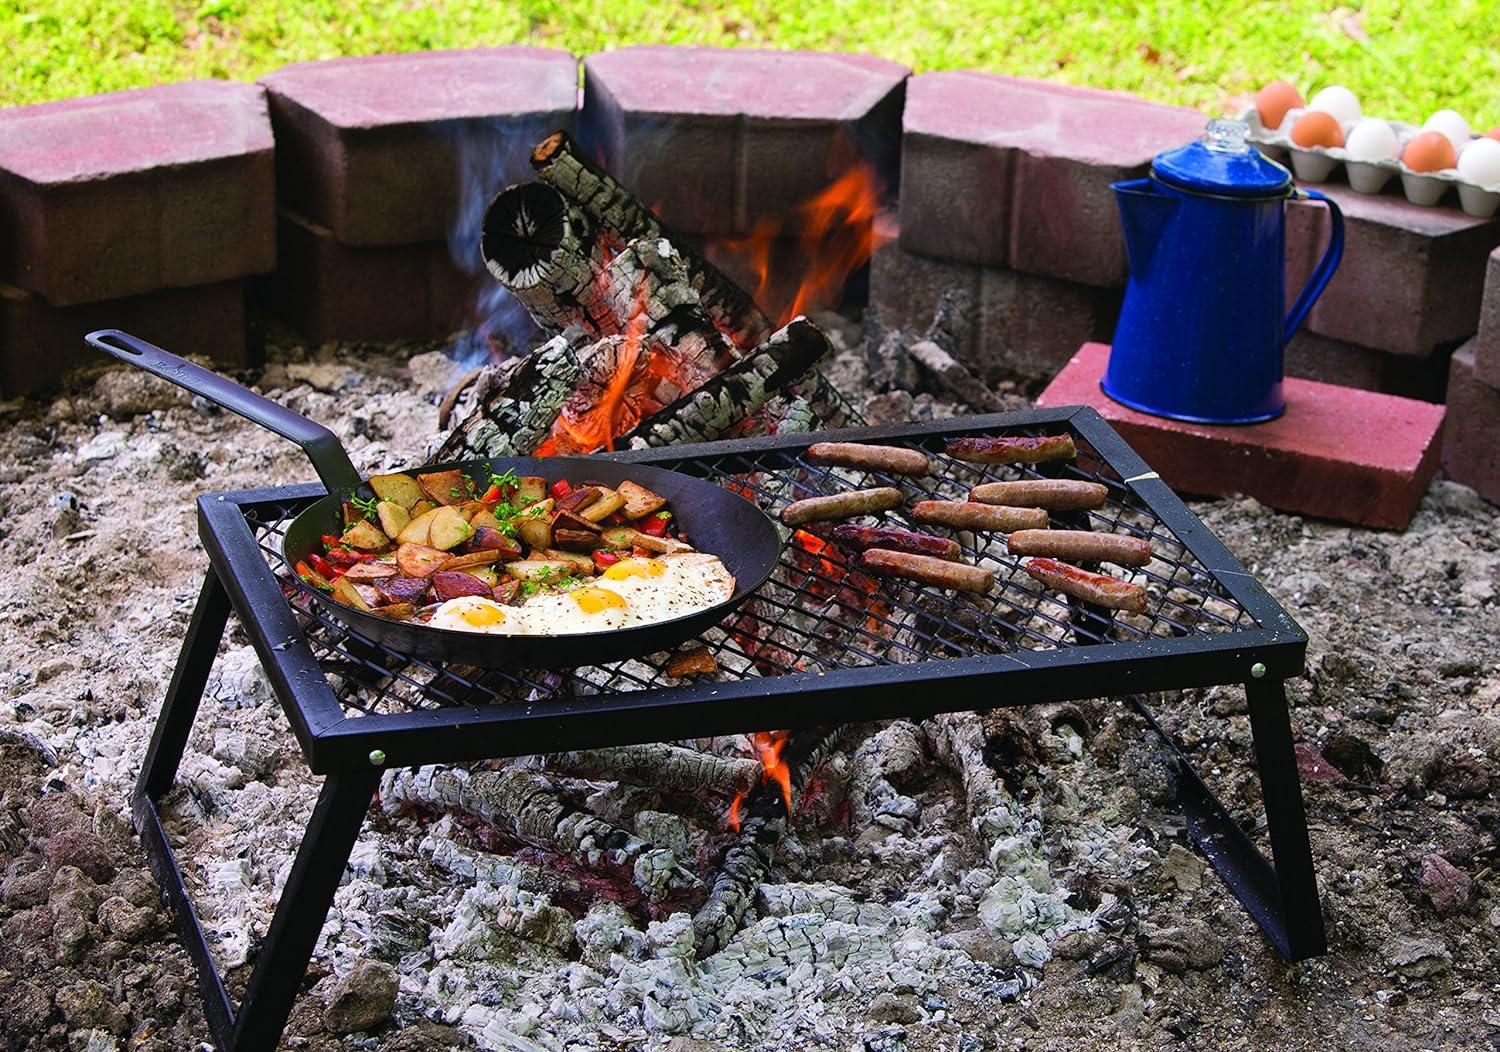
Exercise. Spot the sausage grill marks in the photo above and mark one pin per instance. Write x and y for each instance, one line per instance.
(890, 459)
(1012, 449)
(1052, 494)
(866, 537)
(1097, 588)
(927, 570)
(1081, 546)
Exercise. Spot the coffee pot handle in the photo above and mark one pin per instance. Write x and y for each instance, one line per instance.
(1323, 271)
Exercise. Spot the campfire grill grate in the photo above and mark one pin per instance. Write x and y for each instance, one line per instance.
(836, 625)
(816, 645)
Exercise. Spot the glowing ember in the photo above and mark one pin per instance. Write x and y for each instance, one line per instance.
(734, 811)
(768, 746)
(837, 230)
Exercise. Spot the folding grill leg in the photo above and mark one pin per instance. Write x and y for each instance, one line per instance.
(180, 707)
(304, 906)
(1286, 819)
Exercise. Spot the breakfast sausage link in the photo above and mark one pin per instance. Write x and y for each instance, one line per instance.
(963, 515)
(1012, 449)
(865, 537)
(891, 459)
(1053, 494)
(1081, 546)
(927, 570)
(1097, 588)
(841, 505)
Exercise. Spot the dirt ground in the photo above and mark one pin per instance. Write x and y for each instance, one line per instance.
(1397, 720)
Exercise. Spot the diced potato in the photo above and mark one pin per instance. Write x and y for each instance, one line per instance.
(485, 575)
(393, 518)
(396, 611)
(531, 490)
(448, 529)
(608, 503)
(421, 507)
(418, 530)
(640, 501)
(538, 569)
(620, 537)
(485, 518)
(351, 593)
(418, 560)
(366, 536)
(411, 590)
(665, 545)
(445, 487)
(371, 571)
(698, 661)
(535, 533)
(576, 540)
(566, 520)
(447, 585)
(581, 564)
(399, 489)
(579, 498)
(352, 514)
(479, 558)
(488, 538)
(471, 508)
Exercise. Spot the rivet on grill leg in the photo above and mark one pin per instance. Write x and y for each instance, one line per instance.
(1257, 670)
(377, 756)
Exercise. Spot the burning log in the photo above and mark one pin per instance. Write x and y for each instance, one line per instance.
(559, 163)
(661, 766)
(526, 805)
(547, 254)
(747, 385)
(517, 402)
(955, 377)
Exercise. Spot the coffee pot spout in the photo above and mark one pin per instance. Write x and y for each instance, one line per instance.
(1144, 213)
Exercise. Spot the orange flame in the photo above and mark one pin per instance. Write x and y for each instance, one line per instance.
(768, 746)
(734, 811)
(836, 232)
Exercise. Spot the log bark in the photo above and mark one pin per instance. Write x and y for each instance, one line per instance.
(547, 253)
(660, 766)
(954, 377)
(559, 163)
(517, 403)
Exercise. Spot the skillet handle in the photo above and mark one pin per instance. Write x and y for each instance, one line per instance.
(320, 444)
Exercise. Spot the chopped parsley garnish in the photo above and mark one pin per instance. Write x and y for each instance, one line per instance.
(367, 507)
(509, 480)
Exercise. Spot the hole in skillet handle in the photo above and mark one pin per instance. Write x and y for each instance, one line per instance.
(717, 520)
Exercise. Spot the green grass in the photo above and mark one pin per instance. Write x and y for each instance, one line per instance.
(1403, 59)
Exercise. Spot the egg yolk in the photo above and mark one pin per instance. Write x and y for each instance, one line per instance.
(593, 600)
(479, 616)
(635, 568)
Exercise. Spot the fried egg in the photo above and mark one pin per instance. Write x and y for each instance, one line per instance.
(632, 592)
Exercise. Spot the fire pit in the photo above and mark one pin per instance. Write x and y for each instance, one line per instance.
(817, 645)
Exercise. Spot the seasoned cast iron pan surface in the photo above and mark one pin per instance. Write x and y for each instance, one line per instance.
(714, 520)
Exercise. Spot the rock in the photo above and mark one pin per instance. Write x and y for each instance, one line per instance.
(55, 812)
(131, 392)
(1193, 945)
(981, 946)
(1417, 958)
(118, 917)
(1353, 756)
(52, 669)
(363, 999)
(1182, 868)
(1079, 945)
(83, 850)
(894, 1008)
(893, 407)
(86, 1003)
(26, 889)
(1461, 776)
(1031, 950)
(1313, 767)
(1446, 887)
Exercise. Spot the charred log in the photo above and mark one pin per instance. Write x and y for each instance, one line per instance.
(661, 766)
(954, 377)
(559, 163)
(545, 251)
(516, 403)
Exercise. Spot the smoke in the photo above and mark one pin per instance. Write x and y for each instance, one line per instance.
(491, 156)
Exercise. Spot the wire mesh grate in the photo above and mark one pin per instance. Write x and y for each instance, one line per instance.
(817, 613)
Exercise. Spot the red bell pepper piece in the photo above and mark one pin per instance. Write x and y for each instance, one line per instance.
(347, 556)
(603, 559)
(559, 489)
(326, 569)
(656, 525)
(492, 495)
(332, 540)
(616, 518)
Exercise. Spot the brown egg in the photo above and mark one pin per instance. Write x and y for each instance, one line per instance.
(1493, 133)
(1273, 100)
(1316, 128)
(1429, 151)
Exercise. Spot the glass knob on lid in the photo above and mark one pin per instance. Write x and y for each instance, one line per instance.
(1222, 163)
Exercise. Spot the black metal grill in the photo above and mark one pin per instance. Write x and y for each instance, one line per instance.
(812, 616)
(818, 644)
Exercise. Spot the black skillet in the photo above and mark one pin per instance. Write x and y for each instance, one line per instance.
(716, 520)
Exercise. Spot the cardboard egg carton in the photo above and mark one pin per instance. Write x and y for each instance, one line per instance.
(1318, 164)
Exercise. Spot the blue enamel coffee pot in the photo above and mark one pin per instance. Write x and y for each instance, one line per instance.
(1201, 332)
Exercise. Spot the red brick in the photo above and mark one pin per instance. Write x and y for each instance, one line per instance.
(721, 139)
(377, 148)
(331, 291)
(1412, 278)
(1015, 173)
(1487, 349)
(1337, 453)
(1313, 357)
(1026, 325)
(1471, 441)
(40, 343)
(113, 195)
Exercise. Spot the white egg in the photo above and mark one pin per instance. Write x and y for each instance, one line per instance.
(1450, 124)
(1479, 162)
(1372, 140)
(473, 613)
(1338, 101)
